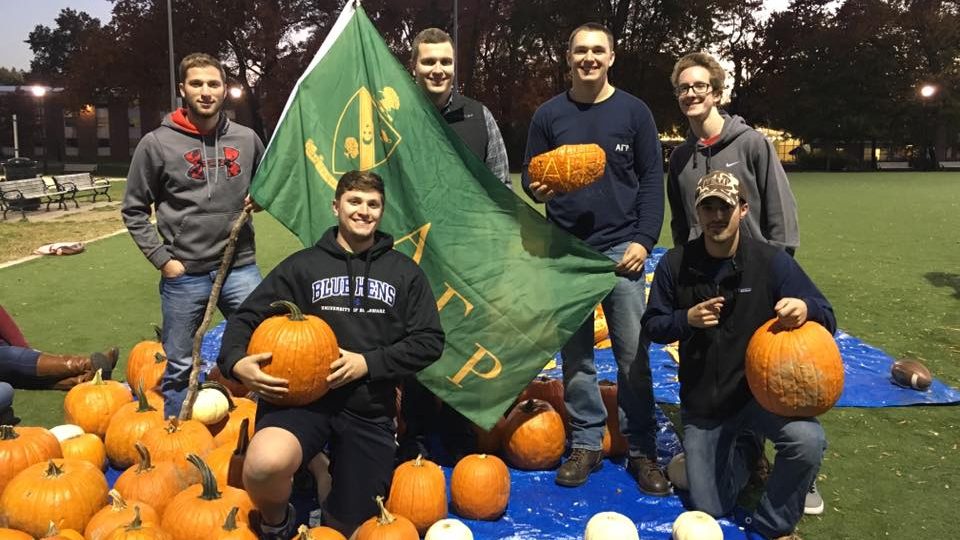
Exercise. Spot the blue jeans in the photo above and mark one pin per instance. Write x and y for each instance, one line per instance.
(718, 467)
(623, 308)
(183, 300)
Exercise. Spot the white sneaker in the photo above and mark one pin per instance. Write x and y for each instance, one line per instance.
(813, 504)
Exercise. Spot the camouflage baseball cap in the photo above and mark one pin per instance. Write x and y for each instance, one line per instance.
(720, 184)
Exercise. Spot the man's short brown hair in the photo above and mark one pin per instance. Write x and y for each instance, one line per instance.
(428, 35)
(590, 27)
(198, 59)
(717, 74)
(360, 181)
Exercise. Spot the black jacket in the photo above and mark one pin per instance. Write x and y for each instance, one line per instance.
(393, 322)
(712, 379)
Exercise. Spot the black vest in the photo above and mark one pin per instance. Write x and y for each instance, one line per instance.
(465, 116)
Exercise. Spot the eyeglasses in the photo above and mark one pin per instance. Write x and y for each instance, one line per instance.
(699, 89)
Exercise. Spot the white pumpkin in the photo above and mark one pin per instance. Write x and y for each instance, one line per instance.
(696, 525)
(66, 431)
(677, 472)
(449, 529)
(611, 526)
(211, 405)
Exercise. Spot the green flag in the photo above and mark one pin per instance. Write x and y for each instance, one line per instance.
(511, 287)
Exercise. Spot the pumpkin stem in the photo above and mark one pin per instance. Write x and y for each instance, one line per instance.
(174, 425)
(230, 524)
(142, 404)
(98, 378)
(7, 433)
(303, 533)
(419, 461)
(136, 524)
(243, 438)
(159, 358)
(52, 530)
(208, 480)
(145, 464)
(53, 470)
(117, 502)
(295, 313)
(529, 406)
(386, 517)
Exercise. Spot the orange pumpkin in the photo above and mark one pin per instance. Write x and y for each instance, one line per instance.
(614, 443)
(303, 348)
(548, 389)
(87, 447)
(199, 512)
(154, 484)
(796, 372)
(22, 447)
(533, 437)
(127, 425)
(480, 487)
(236, 388)
(90, 405)
(226, 461)
(227, 430)
(569, 167)
(418, 492)
(600, 329)
(13, 534)
(118, 513)
(318, 533)
(54, 533)
(138, 530)
(147, 362)
(233, 531)
(174, 440)
(490, 441)
(67, 491)
(387, 526)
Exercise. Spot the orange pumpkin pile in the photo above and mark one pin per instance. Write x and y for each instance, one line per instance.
(569, 167)
(534, 436)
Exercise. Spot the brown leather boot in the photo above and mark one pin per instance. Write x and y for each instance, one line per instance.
(575, 470)
(69, 370)
(648, 475)
(70, 382)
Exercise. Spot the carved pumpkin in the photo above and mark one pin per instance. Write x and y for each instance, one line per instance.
(128, 425)
(226, 431)
(387, 526)
(480, 487)
(303, 348)
(199, 512)
(794, 373)
(87, 447)
(236, 388)
(226, 461)
(419, 493)
(615, 444)
(449, 529)
(54, 533)
(174, 440)
(118, 513)
(137, 530)
(569, 167)
(90, 405)
(318, 533)
(12, 534)
(600, 329)
(696, 525)
(212, 404)
(232, 530)
(610, 526)
(534, 437)
(22, 447)
(67, 491)
(154, 484)
(146, 362)
(548, 389)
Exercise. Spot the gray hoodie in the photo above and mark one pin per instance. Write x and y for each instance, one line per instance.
(747, 154)
(196, 183)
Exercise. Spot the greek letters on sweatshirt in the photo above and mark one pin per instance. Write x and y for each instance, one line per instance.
(378, 303)
(196, 184)
(626, 204)
(747, 154)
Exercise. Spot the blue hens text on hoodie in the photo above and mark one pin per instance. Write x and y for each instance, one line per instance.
(196, 183)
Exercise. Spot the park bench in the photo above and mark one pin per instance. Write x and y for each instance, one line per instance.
(949, 165)
(17, 194)
(83, 184)
(893, 166)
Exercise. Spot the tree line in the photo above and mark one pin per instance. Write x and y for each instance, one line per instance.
(826, 71)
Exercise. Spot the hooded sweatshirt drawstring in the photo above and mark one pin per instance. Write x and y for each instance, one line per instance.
(216, 161)
(349, 257)
(365, 292)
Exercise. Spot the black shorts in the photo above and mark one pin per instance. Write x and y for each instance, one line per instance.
(361, 453)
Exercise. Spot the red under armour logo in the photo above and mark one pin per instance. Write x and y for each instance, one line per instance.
(197, 164)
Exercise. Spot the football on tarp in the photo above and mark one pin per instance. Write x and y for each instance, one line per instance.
(911, 374)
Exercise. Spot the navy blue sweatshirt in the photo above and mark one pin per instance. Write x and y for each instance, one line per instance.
(712, 378)
(378, 303)
(626, 205)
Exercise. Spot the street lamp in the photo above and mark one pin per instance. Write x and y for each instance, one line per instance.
(236, 92)
(927, 93)
(39, 92)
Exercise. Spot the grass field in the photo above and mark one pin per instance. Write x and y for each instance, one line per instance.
(884, 248)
